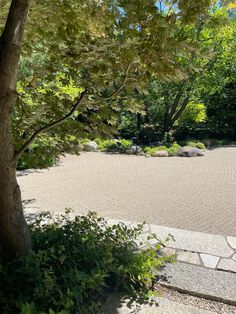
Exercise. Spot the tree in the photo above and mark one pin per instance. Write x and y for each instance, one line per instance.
(105, 47)
(208, 69)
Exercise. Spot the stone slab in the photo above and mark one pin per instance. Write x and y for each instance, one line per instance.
(209, 260)
(200, 281)
(118, 304)
(228, 265)
(194, 241)
(188, 257)
(232, 242)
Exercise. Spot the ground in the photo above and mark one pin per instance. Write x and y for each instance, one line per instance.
(189, 193)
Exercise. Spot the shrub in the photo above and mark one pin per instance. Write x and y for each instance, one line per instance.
(152, 150)
(121, 146)
(43, 153)
(108, 146)
(84, 141)
(172, 151)
(124, 145)
(196, 144)
(74, 264)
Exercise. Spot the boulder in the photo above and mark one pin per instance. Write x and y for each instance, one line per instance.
(135, 150)
(80, 147)
(188, 151)
(161, 153)
(90, 146)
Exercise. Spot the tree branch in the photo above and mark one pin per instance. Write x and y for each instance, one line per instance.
(121, 85)
(49, 126)
(180, 111)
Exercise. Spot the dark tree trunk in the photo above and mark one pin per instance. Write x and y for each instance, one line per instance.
(14, 233)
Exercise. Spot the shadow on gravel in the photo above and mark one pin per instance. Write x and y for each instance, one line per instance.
(21, 173)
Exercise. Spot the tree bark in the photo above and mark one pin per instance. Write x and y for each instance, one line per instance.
(14, 233)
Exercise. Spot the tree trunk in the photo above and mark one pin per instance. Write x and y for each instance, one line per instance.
(14, 233)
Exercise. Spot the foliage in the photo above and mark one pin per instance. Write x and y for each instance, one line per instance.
(193, 114)
(172, 151)
(45, 151)
(184, 104)
(199, 145)
(173, 148)
(73, 265)
(221, 112)
(75, 48)
(121, 146)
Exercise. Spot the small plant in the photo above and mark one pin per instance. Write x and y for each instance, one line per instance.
(124, 145)
(73, 265)
(196, 144)
(108, 146)
(172, 151)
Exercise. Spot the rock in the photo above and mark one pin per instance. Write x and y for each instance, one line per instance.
(188, 257)
(90, 146)
(161, 153)
(227, 265)
(80, 147)
(232, 242)
(188, 151)
(209, 260)
(135, 150)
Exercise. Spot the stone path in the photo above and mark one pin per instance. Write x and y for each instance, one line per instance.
(187, 193)
(207, 250)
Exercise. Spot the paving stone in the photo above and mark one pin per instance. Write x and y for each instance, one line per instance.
(227, 264)
(119, 304)
(200, 281)
(188, 257)
(168, 251)
(234, 257)
(194, 241)
(232, 242)
(209, 260)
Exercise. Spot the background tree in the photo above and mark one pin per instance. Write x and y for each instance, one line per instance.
(209, 66)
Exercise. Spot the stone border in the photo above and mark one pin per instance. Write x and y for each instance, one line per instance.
(207, 250)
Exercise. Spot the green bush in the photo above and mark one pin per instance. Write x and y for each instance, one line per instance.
(84, 141)
(172, 151)
(121, 146)
(108, 146)
(43, 153)
(74, 264)
(152, 150)
(124, 145)
(196, 144)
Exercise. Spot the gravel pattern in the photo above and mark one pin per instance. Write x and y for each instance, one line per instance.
(189, 193)
(200, 303)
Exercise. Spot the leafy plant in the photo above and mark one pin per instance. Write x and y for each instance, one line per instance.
(73, 265)
(196, 144)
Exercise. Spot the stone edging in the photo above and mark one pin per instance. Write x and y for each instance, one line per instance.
(207, 250)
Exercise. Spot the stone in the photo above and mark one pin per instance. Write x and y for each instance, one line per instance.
(209, 260)
(227, 264)
(167, 251)
(81, 147)
(90, 146)
(135, 150)
(232, 242)
(188, 151)
(200, 281)
(194, 241)
(234, 257)
(161, 153)
(188, 257)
